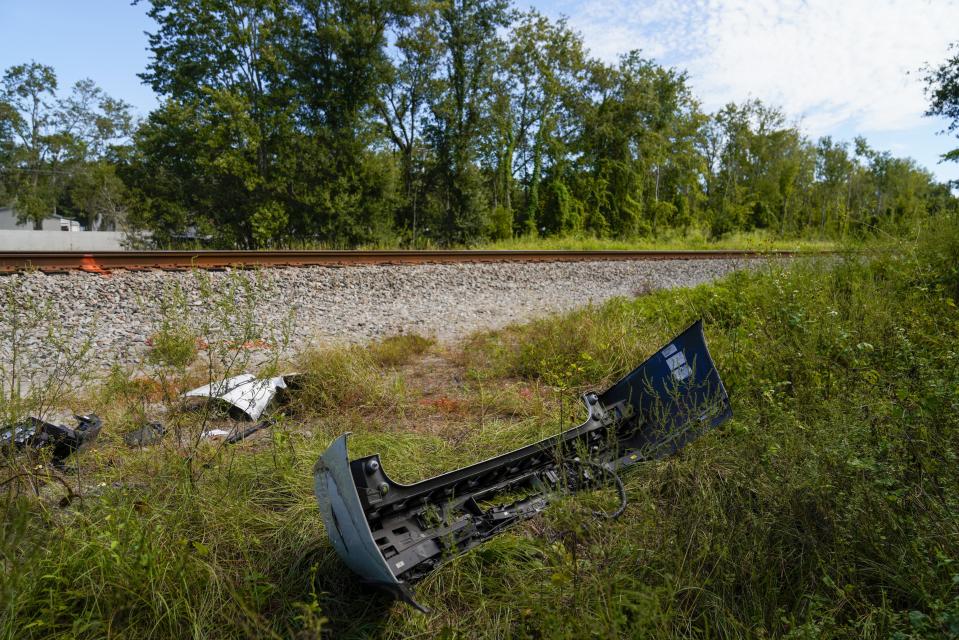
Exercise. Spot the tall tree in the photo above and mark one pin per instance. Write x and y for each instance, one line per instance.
(265, 133)
(467, 30)
(544, 72)
(942, 87)
(48, 143)
(641, 116)
(213, 155)
(29, 95)
(339, 64)
(833, 175)
(403, 103)
(763, 165)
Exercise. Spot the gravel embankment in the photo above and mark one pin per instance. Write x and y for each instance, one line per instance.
(354, 304)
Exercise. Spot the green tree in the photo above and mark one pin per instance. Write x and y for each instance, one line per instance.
(544, 72)
(467, 32)
(49, 143)
(29, 93)
(264, 134)
(637, 147)
(834, 170)
(761, 168)
(942, 87)
(94, 130)
(97, 196)
(403, 102)
(339, 62)
(216, 151)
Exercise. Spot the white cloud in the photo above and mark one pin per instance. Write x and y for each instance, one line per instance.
(829, 62)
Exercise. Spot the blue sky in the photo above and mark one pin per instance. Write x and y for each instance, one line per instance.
(837, 67)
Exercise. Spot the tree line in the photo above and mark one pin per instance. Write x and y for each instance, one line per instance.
(60, 153)
(416, 122)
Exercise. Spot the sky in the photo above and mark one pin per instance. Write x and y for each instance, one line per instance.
(836, 67)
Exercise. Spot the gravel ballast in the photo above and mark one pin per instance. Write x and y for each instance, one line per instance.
(356, 304)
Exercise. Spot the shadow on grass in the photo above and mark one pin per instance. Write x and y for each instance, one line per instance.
(352, 609)
(359, 612)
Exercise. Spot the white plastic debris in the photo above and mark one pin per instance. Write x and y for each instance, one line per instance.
(246, 392)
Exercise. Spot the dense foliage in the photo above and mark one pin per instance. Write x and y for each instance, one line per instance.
(942, 84)
(59, 154)
(412, 122)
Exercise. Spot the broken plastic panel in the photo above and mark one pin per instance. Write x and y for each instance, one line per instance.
(246, 392)
(393, 534)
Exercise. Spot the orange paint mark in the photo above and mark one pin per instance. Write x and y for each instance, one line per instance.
(90, 265)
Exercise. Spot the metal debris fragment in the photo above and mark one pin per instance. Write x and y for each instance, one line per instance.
(234, 435)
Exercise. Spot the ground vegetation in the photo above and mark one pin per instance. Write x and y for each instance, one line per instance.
(825, 507)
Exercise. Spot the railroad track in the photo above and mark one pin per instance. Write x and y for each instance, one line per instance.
(106, 261)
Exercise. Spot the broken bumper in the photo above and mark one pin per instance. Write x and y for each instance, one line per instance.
(392, 534)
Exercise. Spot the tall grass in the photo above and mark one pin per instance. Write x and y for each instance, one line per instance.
(675, 239)
(825, 508)
(691, 238)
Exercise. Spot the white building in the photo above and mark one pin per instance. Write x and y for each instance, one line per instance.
(8, 222)
(15, 236)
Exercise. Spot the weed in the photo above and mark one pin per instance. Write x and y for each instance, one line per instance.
(347, 378)
(400, 349)
(41, 362)
(692, 238)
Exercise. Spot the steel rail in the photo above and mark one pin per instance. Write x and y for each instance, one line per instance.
(105, 261)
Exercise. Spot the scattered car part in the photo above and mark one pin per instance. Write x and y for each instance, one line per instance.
(249, 394)
(20, 434)
(236, 436)
(37, 433)
(147, 435)
(393, 534)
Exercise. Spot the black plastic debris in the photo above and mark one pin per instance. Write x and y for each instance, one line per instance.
(36, 433)
(147, 435)
(393, 534)
(19, 435)
(236, 436)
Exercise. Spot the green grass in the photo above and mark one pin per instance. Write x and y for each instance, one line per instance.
(826, 508)
(758, 240)
(671, 239)
(399, 349)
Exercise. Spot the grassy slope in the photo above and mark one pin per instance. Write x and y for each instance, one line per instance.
(825, 508)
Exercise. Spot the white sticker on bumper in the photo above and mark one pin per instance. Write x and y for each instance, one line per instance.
(676, 361)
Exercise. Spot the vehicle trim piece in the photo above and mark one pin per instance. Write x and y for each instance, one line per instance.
(393, 534)
(246, 392)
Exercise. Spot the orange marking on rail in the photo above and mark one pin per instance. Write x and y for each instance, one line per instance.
(89, 264)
